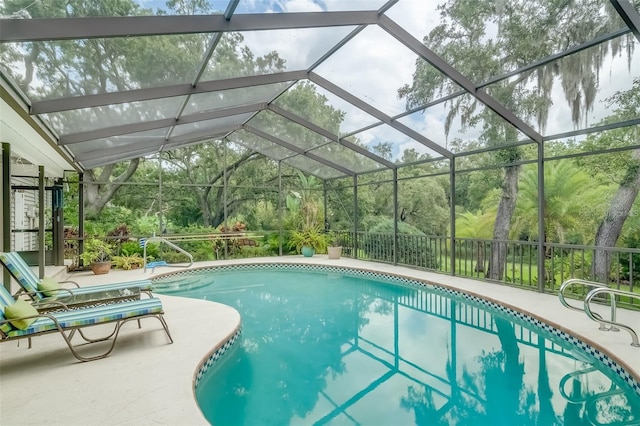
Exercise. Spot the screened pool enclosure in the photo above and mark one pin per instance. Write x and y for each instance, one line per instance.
(493, 139)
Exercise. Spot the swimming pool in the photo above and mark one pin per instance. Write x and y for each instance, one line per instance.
(329, 345)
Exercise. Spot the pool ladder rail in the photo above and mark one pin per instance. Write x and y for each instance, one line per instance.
(154, 265)
(590, 400)
(600, 289)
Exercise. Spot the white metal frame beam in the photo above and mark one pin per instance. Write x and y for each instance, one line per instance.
(327, 134)
(297, 149)
(629, 15)
(103, 99)
(158, 124)
(343, 94)
(29, 30)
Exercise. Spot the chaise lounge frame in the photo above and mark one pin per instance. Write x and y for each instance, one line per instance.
(68, 322)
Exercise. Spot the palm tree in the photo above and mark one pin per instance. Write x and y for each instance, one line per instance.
(570, 197)
(477, 226)
(305, 203)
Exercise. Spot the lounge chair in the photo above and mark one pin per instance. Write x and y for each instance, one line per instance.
(29, 323)
(31, 285)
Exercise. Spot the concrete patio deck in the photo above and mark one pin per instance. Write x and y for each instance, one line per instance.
(146, 380)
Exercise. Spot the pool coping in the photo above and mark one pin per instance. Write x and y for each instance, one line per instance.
(594, 347)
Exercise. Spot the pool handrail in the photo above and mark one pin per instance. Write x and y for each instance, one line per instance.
(573, 375)
(585, 283)
(170, 244)
(592, 410)
(612, 292)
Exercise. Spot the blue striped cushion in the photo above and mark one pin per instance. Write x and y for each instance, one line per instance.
(5, 327)
(28, 280)
(94, 315)
(20, 271)
(5, 300)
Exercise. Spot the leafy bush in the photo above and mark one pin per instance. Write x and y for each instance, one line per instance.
(129, 248)
(308, 237)
(128, 262)
(108, 216)
(121, 233)
(249, 252)
(146, 225)
(96, 250)
(174, 257)
(272, 244)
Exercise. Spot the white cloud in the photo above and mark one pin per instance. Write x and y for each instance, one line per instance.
(300, 48)
(372, 66)
(418, 17)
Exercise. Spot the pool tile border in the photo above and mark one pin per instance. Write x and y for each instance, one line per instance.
(214, 356)
(605, 359)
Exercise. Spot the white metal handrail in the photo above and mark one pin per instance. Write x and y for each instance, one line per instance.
(584, 283)
(170, 244)
(612, 292)
(212, 236)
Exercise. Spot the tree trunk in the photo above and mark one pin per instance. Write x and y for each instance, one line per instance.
(498, 255)
(204, 208)
(98, 194)
(617, 213)
(480, 257)
(513, 376)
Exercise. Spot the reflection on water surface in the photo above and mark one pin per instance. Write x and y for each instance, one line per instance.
(321, 348)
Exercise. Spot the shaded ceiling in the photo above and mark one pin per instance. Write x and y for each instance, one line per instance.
(355, 55)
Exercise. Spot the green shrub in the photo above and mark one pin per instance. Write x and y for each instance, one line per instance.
(129, 248)
(308, 237)
(96, 250)
(133, 261)
(271, 244)
(249, 252)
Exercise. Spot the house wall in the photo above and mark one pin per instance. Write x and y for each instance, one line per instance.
(1, 209)
(24, 214)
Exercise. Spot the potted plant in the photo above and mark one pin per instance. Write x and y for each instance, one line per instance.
(97, 253)
(127, 262)
(334, 246)
(308, 241)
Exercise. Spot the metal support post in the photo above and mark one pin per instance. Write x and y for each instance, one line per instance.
(57, 213)
(355, 216)
(324, 205)
(224, 195)
(160, 218)
(41, 222)
(541, 209)
(280, 210)
(80, 216)
(6, 208)
(395, 216)
(452, 214)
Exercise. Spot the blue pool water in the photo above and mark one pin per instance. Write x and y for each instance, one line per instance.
(320, 347)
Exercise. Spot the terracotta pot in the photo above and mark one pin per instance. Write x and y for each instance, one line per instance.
(100, 268)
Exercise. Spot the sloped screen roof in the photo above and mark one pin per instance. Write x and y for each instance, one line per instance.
(334, 88)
